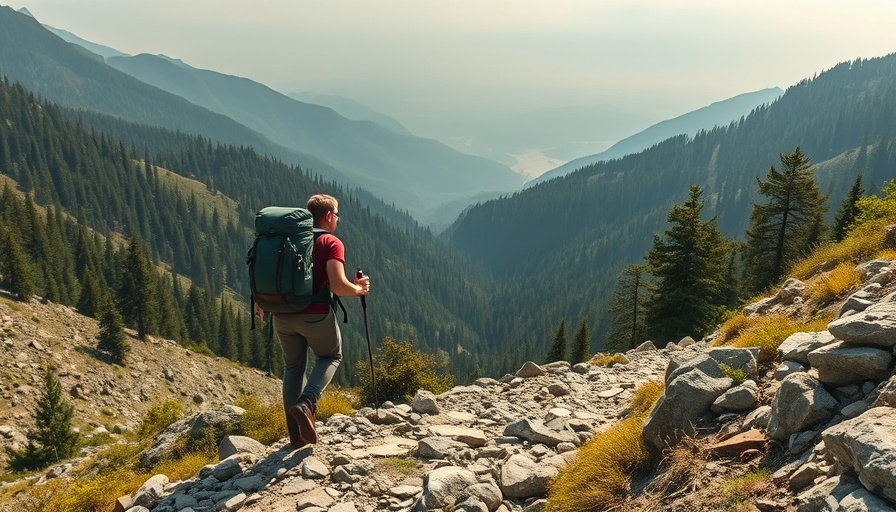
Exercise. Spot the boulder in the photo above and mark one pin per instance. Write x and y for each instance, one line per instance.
(443, 486)
(875, 326)
(798, 345)
(522, 477)
(800, 403)
(866, 445)
(839, 363)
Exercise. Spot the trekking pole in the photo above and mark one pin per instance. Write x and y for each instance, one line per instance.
(359, 274)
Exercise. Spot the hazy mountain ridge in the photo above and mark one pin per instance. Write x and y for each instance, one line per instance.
(416, 174)
(351, 109)
(719, 113)
(74, 77)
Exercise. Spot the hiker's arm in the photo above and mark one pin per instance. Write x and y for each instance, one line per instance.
(340, 285)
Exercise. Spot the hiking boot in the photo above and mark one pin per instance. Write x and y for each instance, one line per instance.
(303, 416)
(296, 441)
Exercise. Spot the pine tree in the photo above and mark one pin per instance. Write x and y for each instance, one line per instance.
(581, 345)
(52, 438)
(848, 211)
(628, 309)
(136, 293)
(15, 267)
(689, 264)
(558, 348)
(785, 227)
(92, 294)
(112, 338)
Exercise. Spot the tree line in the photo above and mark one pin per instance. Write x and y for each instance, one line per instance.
(693, 274)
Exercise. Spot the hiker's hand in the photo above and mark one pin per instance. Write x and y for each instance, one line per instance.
(364, 283)
(258, 311)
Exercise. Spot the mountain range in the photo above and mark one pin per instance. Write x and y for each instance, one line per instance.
(719, 113)
(416, 174)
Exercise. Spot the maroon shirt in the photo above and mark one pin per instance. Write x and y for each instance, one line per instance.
(326, 247)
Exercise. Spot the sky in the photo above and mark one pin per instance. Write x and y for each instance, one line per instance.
(452, 60)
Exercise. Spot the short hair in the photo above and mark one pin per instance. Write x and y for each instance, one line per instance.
(320, 204)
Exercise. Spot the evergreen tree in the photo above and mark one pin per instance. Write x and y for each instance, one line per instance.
(848, 211)
(92, 294)
(15, 267)
(136, 293)
(689, 264)
(581, 345)
(558, 348)
(52, 438)
(628, 309)
(112, 338)
(785, 227)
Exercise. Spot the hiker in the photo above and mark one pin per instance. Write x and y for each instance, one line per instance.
(315, 326)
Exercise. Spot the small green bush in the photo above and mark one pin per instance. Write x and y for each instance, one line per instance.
(400, 371)
(736, 374)
(159, 417)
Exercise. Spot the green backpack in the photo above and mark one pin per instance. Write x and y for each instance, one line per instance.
(280, 261)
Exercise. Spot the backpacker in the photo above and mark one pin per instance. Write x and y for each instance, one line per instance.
(280, 277)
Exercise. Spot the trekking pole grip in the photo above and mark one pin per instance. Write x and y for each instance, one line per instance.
(358, 275)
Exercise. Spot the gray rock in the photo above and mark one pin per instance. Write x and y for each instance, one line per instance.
(801, 402)
(840, 363)
(687, 398)
(886, 394)
(798, 345)
(867, 445)
(535, 431)
(786, 368)
(826, 495)
(522, 477)
(647, 346)
(149, 494)
(529, 370)
(231, 445)
(425, 403)
(758, 417)
(876, 326)
(861, 500)
(437, 447)
(314, 469)
(442, 486)
(737, 399)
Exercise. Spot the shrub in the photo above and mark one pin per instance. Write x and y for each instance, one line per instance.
(336, 400)
(736, 374)
(265, 422)
(607, 360)
(599, 475)
(842, 279)
(400, 371)
(184, 467)
(94, 494)
(159, 417)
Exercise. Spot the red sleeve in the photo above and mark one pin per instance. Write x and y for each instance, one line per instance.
(333, 248)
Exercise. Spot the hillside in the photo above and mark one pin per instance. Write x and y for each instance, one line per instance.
(106, 396)
(604, 216)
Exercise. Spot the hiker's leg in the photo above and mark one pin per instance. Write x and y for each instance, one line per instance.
(295, 359)
(325, 341)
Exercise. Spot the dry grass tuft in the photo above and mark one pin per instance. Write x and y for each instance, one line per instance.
(681, 466)
(263, 421)
(608, 360)
(599, 476)
(766, 332)
(336, 400)
(738, 493)
(861, 244)
(841, 280)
